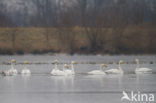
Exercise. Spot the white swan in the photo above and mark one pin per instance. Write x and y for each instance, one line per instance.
(56, 71)
(116, 71)
(12, 71)
(7, 73)
(72, 67)
(68, 71)
(141, 70)
(98, 72)
(25, 70)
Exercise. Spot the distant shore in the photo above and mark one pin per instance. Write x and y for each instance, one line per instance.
(33, 40)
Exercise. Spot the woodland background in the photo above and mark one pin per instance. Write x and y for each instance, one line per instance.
(78, 26)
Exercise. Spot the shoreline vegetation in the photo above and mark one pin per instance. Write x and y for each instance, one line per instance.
(87, 27)
(137, 39)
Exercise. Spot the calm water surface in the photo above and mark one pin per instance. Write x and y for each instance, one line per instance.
(41, 87)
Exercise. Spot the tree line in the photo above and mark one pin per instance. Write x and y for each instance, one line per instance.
(110, 26)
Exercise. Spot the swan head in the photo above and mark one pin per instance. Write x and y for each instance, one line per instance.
(26, 62)
(74, 62)
(137, 60)
(13, 61)
(56, 61)
(66, 66)
(104, 65)
(121, 62)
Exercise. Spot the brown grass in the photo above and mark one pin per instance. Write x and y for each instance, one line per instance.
(32, 40)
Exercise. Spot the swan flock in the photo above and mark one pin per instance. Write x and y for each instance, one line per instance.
(68, 69)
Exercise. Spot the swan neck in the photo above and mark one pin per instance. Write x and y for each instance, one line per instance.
(12, 66)
(72, 67)
(119, 66)
(63, 68)
(138, 64)
(25, 67)
(101, 68)
(56, 67)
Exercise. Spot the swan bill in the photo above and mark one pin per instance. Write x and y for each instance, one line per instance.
(26, 62)
(74, 62)
(13, 61)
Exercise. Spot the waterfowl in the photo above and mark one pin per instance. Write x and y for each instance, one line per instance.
(68, 71)
(72, 71)
(25, 70)
(98, 72)
(12, 71)
(6, 73)
(116, 71)
(141, 70)
(72, 67)
(56, 71)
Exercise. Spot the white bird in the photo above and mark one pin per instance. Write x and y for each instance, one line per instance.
(98, 72)
(7, 73)
(56, 71)
(141, 70)
(125, 96)
(72, 71)
(12, 71)
(116, 71)
(25, 70)
(66, 70)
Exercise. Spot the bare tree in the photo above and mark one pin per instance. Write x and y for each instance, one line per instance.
(46, 16)
(66, 30)
(93, 25)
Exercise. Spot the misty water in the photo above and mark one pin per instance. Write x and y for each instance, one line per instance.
(41, 87)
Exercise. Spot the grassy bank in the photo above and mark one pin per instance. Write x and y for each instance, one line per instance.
(130, 40)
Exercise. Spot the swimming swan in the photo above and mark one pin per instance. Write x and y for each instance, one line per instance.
(68, 71)
(7, 73)
(116, 71)
(12, 71)
(141, 70)
(98, 72)
(72, 67)
(56, 71)
(25, 70)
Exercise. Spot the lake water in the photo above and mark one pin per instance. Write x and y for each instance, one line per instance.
(41, 87)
